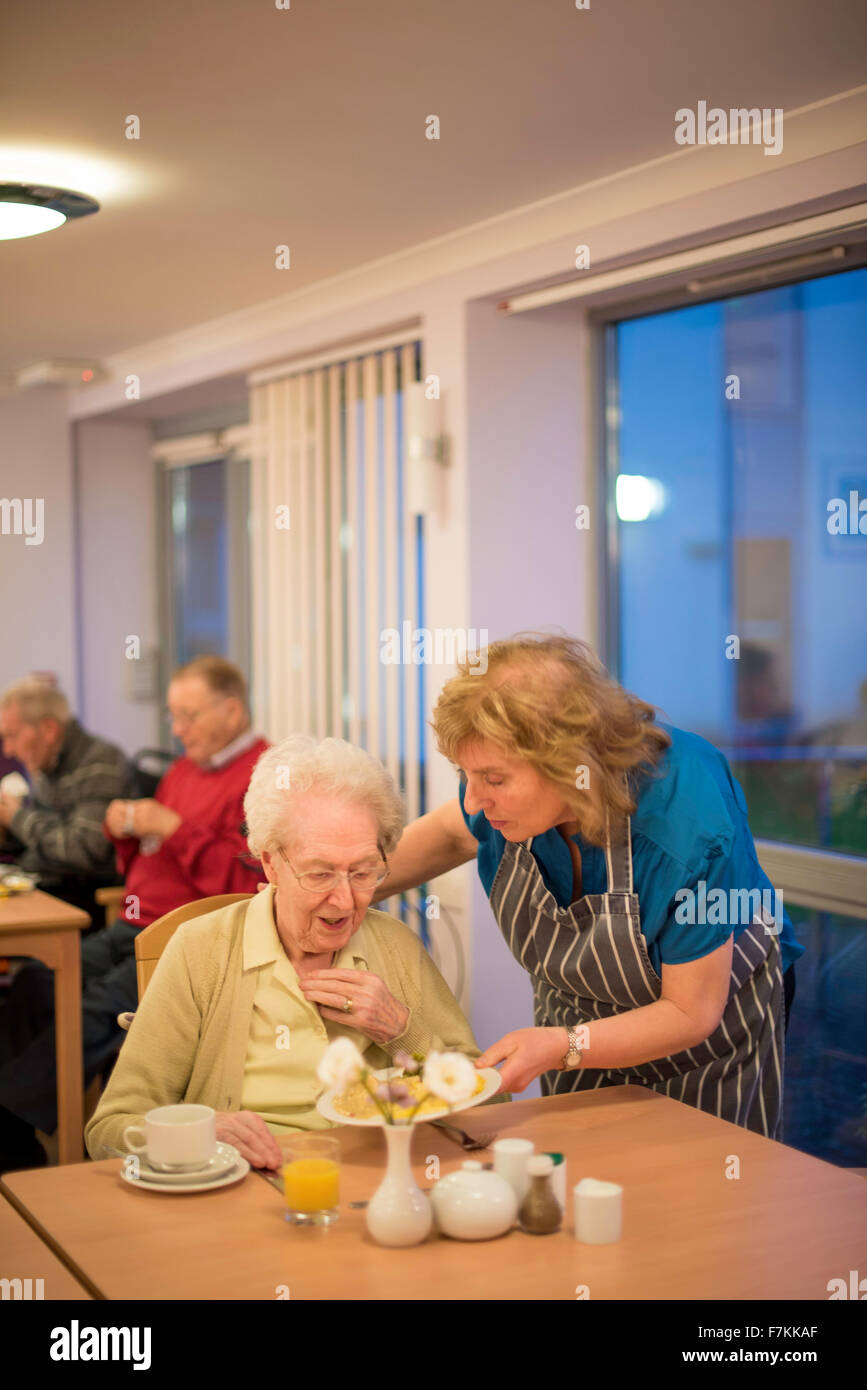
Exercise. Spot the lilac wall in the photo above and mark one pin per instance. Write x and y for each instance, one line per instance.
(36, 581)
(118, 569)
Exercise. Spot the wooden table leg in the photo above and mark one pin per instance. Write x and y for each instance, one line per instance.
(67, 1012)
(49, 930)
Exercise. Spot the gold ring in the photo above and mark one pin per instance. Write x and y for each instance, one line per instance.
(347, 1006)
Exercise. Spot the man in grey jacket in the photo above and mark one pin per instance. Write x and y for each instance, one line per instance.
(55, 832)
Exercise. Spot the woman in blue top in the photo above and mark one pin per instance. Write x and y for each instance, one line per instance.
(621, 870)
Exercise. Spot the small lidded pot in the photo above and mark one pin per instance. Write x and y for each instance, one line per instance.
(473, 1204)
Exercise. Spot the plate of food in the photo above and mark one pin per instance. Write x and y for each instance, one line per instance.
(354, 1105)
(13, 881)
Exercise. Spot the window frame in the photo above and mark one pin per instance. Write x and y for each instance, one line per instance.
(232, 449)
(793, 869)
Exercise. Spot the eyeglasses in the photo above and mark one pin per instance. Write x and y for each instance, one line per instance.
(182, 718)
(323, 880)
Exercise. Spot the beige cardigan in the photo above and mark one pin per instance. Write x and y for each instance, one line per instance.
(188, 1040)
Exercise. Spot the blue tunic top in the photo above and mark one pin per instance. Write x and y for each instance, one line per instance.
(692, 851)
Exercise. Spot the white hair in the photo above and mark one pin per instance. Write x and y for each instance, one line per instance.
(300, 764)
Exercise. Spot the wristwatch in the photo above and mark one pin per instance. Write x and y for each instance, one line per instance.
(574, 1053)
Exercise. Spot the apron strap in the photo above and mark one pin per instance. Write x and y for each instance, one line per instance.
(618, 859)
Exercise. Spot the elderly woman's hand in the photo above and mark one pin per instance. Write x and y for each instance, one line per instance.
(250, 1136)
(375, 1011)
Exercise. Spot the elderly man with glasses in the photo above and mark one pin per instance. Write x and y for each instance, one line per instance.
(245, 1000)
(185, 843)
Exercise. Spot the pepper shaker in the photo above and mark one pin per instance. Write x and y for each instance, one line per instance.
(540, 1212)
(558, 1178)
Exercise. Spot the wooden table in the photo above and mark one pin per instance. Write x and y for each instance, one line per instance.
(36, 924)
(24, 1256)
(782, 1230)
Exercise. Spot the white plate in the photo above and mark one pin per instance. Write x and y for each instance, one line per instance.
(12, 880)
(235, 1174)
(222, 1163)
(325, 1103)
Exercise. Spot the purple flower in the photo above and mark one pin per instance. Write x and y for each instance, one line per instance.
(394, 1092)
(406, 1062)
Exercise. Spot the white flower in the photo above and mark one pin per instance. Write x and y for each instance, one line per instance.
(450, 1075)
(341, 1064)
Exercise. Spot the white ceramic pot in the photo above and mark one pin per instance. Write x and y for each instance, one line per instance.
(473, 1204)
(399, 1213)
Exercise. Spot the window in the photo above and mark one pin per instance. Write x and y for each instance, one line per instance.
(205, 509)
(736, 487)
(825, 1091)
(737, 441)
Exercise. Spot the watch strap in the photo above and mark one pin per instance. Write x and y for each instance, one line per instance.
(574, 1053)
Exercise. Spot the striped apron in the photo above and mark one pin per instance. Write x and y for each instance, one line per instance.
(590, 961)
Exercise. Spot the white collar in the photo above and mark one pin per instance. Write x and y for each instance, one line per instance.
(234, 749)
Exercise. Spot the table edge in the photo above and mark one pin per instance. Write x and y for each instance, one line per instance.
(57, 1250)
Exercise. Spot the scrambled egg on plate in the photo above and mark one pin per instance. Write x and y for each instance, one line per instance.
(357, 1102)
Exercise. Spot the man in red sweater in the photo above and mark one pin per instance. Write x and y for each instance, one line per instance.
(186, 842)
(183, 844)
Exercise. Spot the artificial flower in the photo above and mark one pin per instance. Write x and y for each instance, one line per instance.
(406, 1062)
(341, 1064)
(450, 1075)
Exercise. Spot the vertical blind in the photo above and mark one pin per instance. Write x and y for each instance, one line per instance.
(338, 558)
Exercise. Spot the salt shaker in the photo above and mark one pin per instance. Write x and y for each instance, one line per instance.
(540, 1212)
(510, 1161)
(598, 1211)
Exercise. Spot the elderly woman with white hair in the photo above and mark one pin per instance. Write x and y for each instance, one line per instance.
(245, 1000)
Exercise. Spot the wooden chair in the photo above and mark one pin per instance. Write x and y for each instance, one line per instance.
(112, 900)
(150, 944)
(152, 941)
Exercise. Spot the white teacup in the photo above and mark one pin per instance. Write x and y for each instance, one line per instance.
(178, 1138)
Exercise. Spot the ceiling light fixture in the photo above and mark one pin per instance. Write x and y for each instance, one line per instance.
(26, 209)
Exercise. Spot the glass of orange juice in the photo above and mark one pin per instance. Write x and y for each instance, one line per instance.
(311, 1179)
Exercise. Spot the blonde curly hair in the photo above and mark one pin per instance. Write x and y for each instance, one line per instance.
(549, 701)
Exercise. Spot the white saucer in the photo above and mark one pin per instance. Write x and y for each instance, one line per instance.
(225, 1158)
(227, 1166)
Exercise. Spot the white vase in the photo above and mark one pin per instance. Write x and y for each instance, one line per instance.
(399, 1213)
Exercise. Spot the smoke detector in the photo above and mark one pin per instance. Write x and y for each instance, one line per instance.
(60, 372)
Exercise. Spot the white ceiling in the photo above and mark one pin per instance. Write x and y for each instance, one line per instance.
(305, 126)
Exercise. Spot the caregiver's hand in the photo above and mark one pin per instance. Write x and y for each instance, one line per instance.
(527, 1053)
(375, 1011)
(250, 1136)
